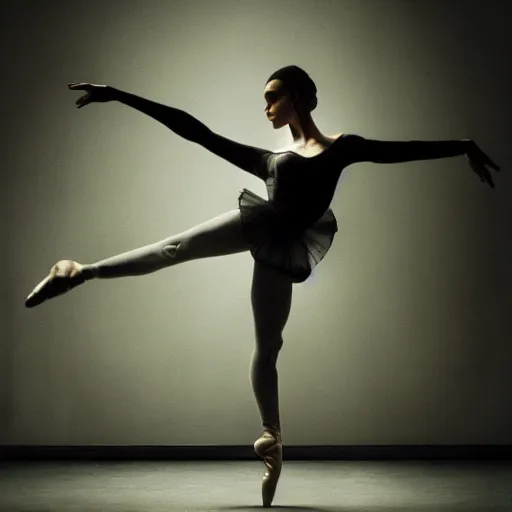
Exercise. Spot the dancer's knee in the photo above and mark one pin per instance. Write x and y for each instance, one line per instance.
(173, 252)
(269, 345)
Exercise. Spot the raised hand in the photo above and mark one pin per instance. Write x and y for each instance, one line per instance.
(478, 161)
(95, 93)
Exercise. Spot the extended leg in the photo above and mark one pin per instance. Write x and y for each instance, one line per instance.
(219, 236)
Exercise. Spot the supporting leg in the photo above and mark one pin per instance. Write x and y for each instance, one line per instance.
(271, 296)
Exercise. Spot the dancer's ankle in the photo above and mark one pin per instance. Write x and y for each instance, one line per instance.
(89, 271)
(272, 428)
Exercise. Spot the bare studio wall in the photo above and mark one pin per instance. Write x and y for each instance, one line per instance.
(402, 334)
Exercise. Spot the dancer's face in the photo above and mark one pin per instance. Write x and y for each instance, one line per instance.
(279, 107)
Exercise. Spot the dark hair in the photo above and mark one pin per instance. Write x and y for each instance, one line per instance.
(299, 83)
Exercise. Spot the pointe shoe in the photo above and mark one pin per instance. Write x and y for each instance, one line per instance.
(64, 276)
(270, 448)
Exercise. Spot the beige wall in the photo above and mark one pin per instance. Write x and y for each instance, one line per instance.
(401, 337)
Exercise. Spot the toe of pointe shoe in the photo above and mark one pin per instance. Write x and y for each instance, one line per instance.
(63, 276)
(270, 480)
(37, 295)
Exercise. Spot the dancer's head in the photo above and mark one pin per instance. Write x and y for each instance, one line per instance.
(289, 94)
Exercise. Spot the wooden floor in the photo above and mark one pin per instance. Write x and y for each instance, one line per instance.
(333, 486)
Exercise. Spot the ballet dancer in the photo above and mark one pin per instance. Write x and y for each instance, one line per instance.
(287, 235)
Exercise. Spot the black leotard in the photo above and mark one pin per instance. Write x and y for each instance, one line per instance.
(294, 229)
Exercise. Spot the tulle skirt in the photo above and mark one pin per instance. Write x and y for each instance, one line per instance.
(280, 244)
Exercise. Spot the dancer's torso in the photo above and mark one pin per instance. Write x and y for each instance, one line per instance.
(301, 188)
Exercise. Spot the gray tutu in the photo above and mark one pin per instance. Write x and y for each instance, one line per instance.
(281, 244)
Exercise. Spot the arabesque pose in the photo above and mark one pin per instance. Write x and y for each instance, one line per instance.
(287, 235)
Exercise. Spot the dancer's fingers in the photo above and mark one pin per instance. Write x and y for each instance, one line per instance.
(77, 85)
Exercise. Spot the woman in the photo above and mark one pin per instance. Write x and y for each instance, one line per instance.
(288, 235)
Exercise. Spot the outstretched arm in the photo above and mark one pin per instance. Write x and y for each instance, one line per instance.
(362, 149)
(249, 158)
(180, 122)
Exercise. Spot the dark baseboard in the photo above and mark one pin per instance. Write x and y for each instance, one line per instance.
(214, 452)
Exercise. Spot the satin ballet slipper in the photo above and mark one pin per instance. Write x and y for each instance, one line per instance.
(270, 448)
(64, 275)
